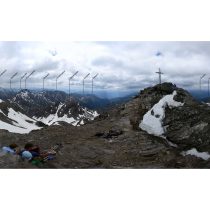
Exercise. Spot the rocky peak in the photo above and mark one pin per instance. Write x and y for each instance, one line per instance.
(187, 125)
(152, 95)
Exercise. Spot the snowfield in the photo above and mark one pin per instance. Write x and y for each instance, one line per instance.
(153, 119)
(16, 122)
(20, 123)
(194, 152)
(53, 119)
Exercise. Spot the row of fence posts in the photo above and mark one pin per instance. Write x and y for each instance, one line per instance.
(26, 76)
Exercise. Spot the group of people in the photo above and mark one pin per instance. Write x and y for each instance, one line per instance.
(32, 152)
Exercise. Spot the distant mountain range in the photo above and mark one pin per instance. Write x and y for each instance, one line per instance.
(199, 95)
(88, 100)
(27, 110)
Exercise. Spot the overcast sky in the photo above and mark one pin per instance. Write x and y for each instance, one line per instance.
(121, 65)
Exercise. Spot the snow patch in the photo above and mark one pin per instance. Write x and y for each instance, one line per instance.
(20, 123)
(153, 119)
(95, 114)
(194, 152)
(54, 119)
(1, 101)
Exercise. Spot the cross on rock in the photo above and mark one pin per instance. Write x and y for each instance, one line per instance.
(159, 72)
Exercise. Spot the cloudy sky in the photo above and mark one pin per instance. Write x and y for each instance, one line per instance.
(121, 65)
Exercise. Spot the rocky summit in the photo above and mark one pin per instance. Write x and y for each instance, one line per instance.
(161, 127)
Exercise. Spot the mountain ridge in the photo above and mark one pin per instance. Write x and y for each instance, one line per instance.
(41, 109)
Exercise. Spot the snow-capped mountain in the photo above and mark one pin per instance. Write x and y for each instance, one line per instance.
(28, 111)
(52, 106)
(68, 112)
(46, 108)
(35, 102)
(13, 120)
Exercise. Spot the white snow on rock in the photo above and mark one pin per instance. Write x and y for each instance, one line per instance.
(20, 123)
(152, 120)
(194, 152)
(16, 122)
(1, 101)
(54, 119)
(95, 114)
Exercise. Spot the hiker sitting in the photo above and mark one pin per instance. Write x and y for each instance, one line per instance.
(11, 149)
(34, 150)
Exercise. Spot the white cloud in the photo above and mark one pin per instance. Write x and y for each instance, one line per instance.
(121, 65)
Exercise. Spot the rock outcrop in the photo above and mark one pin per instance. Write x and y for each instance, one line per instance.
(186, 126)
